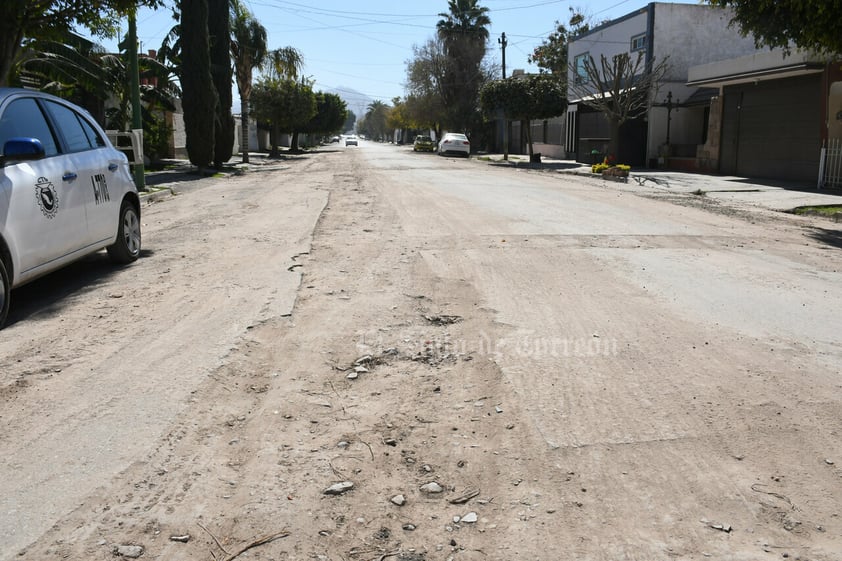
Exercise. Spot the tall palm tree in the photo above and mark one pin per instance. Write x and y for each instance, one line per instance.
(285, 62)
(463, 32)
(249, 50)
(467, 21)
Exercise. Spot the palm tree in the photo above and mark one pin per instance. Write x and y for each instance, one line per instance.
(463, 32)
(285, 62)
(467, 21)
(249, 51)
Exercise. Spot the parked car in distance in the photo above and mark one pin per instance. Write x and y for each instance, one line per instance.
(455, 143)
(423, 144)
(351, 139)
(65, 191)
(334, 139)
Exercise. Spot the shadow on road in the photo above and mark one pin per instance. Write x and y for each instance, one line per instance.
(828, 237)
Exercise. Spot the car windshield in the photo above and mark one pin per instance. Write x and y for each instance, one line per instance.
(422, 138)
(457, 136)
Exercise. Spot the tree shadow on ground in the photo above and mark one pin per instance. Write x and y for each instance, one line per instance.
(832, 238)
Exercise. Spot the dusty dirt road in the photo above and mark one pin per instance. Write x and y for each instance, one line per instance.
(583, 371)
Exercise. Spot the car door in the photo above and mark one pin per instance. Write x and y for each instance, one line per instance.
(46, 204)
(95, 165)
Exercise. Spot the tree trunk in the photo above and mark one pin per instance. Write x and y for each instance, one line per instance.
(10, 39)
(220, 66)
(527, 125)
(293, 145)
(199, 95)
(614, 142)
(276, 137)
(244, 126)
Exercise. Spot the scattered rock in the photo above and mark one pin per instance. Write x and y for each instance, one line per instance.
(443, 319)
(339, 488)
(432, 488)
(390, 442)
(829, 462)
(183, 539)
(130, 551)
(360, 369)
(409, 527)
(352, 375)
(399, 500)
(470, 518)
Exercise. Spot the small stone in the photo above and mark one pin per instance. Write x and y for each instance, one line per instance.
(456, 519)
(409, 527)
(343, 444)
(829, 462)
(470, 518)
(352, 375)
(399, 500)
(391, 442)
(360, 369)
(426, 468)
(498, 409)
(432, 488)
(130, 551)
(339, 488)
(183, 539)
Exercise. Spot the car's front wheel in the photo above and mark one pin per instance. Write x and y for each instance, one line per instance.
(127, 247)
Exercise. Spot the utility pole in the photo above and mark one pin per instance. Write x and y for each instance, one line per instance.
(502, 41)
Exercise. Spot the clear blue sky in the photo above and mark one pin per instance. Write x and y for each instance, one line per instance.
(365, 44)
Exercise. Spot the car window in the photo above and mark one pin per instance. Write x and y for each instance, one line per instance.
(23, 118)
(72, 130)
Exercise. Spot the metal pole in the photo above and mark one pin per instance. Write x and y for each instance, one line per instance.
(503, 43)
(134, 85)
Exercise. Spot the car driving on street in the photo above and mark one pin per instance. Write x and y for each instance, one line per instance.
(65, 191)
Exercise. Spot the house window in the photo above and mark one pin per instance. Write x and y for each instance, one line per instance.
(579, 62)
(638, 43)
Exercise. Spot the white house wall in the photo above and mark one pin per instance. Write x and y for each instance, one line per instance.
(690, 35)
(609, 40)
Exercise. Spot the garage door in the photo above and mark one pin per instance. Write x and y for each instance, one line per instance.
(773, 129)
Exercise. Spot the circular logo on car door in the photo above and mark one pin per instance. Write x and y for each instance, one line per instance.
(47, 197)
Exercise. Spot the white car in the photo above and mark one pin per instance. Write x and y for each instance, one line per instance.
(65, 191)
(351, 139)
(454, 143)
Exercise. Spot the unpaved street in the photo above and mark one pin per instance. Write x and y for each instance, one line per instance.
(586, 371)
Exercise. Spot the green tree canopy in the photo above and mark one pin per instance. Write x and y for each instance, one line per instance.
(285, 104)
(52, 19)
(551, 55)
(200, 99)
(539, 96)
(330, 116)
(807, 24)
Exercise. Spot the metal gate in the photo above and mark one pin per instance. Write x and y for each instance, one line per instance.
(830, 166)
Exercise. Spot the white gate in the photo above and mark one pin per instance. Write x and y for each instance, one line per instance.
(830, 165)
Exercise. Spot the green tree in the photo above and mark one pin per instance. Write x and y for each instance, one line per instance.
(551, 55)
(287, 105)
(463, 31)
(331, 113)
(285, 62)
(425, 80)
(350, 121)
(219, 34)
(539, 96)
(620, 87)
(374, 124)
(807, 24)
(199, 99)
(52, 19)
(248, 49)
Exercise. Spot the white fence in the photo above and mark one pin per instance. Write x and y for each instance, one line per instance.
(830, 164)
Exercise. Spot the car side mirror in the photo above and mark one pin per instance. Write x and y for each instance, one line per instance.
(22, 150)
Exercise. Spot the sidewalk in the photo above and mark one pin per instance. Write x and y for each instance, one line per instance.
(773, 195)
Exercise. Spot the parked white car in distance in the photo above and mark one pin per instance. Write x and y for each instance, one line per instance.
(454, 143)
